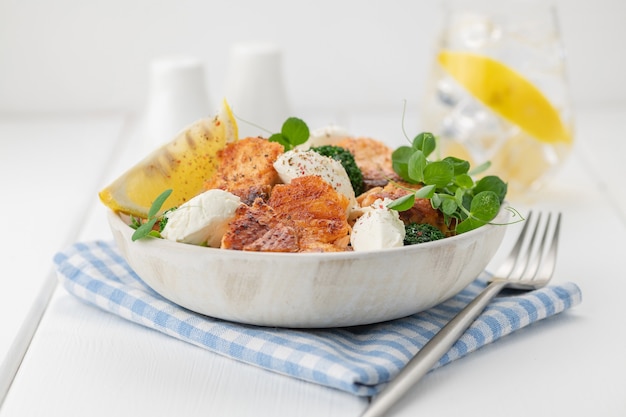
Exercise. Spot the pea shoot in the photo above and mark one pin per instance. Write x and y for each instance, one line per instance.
(449, 185)
(146, 229)
(293, 132)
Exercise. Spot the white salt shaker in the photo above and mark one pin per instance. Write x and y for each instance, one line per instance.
(177, 97)
(255, 88)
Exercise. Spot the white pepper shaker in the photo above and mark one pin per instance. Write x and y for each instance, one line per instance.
(255, 88)
(177, 97)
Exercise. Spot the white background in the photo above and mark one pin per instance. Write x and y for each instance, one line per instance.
(75, 56)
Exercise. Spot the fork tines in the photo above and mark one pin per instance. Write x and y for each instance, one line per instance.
(533, 256)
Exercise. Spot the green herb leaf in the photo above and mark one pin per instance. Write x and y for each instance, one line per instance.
(464, 181)
(492, 183)
(449, 185)
(158, 203)
(134, 222)
(154, 233)
(461, 166)
(402, 203)
(293, 132)
(459, 195)
(438, 173)
(436, 200)
(468, 224)
(427, 191)
(448, 204)
(484, 208)
(400, 161)
(279, 138)
(480, 168)
(146, 229)
(425, 142)
(417, 164)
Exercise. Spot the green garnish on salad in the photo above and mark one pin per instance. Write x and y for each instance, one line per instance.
(293, 132)
(147, 229)
(448, 184)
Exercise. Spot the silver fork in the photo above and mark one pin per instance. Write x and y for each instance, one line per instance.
(529, 265)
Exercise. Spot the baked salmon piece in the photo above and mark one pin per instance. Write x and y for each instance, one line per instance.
(421, 212)
(318, 212)
(374, 159)
(306, 215)
(258, 228)
(246, 169)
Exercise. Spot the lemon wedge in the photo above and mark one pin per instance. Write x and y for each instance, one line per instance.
(183, 165)
(507, 93)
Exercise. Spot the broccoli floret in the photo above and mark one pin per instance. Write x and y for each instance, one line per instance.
(347, 160)
(420, 233)
(163, 219)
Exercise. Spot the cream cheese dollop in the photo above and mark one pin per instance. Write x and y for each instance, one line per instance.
(377, 228)
(299, 163)
(203, 220)
(329, 135)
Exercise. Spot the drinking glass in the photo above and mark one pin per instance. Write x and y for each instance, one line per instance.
(498, 90)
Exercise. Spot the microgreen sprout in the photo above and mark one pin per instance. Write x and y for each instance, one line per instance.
(293, 132)
(448, 183)
(146, 229)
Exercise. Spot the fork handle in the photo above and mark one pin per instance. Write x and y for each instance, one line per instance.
(432, 351)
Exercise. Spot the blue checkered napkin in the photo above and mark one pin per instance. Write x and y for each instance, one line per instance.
(359, 360)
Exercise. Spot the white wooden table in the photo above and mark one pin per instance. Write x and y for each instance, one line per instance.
(61, 357)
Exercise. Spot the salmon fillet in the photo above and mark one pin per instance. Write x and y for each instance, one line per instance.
(317, 211)
(307, 215)
(246, 169)
(374, 159)
(258, 228)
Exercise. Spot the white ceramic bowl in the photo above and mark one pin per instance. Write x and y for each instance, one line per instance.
(312, 289)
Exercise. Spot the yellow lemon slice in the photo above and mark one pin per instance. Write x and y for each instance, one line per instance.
(183, 165)
(507, 93)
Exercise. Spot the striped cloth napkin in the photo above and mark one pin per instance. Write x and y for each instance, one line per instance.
(359, 360)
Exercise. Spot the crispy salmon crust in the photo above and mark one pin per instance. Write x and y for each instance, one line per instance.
(421, 212)
(373, 158)
(307, 215)
(258, 228)
(246, 169)
(318, 212)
